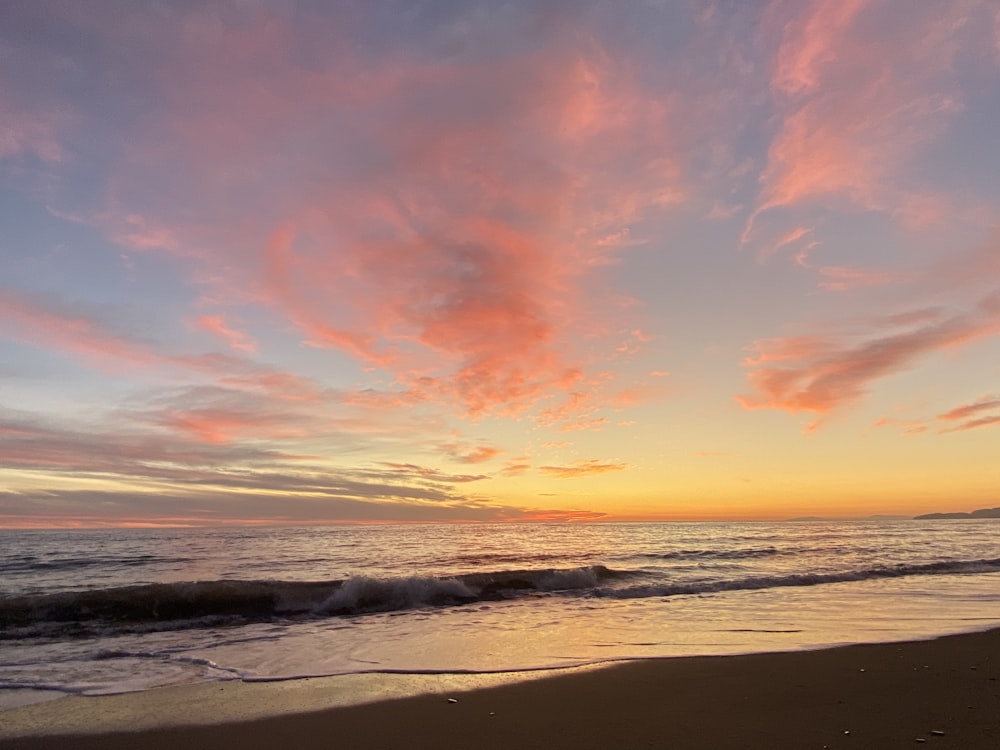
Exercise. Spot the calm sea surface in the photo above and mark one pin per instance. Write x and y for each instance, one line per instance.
(105, 611)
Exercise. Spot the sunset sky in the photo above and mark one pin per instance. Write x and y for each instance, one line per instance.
(372, 261)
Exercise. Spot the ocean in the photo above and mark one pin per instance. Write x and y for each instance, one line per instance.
(91, 612)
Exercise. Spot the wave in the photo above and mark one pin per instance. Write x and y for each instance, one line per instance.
(30, 563)
(200, 603)
(756, 583)
(714, 554)
(176, 606)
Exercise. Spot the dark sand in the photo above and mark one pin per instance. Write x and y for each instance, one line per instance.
(945, 692)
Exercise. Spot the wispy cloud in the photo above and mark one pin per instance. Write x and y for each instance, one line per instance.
(821, 373)
(469, 454)
(399, 217)
(961, 413)
(34, 319)
(582, 468)
(968, 417)
(855, 108)
(846, 278)
(88, 508)
(216, 324)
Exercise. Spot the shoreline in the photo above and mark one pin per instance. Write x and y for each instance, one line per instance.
(870, 695)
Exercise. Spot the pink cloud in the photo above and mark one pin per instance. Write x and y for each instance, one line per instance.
(812, 42)
(821, 373)
(216, 324)
(442, 221)
(33, 320)
(846, 278)
(800, 236)
(218, 426)
(81, 334)
(860, 90)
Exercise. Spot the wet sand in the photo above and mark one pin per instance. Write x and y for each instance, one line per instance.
(943, 693)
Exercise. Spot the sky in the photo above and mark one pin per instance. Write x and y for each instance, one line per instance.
(387, 260)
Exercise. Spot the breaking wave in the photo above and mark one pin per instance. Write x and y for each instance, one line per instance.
(176, 606)
(163, 606)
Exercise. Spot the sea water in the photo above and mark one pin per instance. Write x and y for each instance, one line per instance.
(119, 610)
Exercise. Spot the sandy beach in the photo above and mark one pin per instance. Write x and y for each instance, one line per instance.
(943, 693)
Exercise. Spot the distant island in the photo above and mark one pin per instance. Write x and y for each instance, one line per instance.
(981, 513)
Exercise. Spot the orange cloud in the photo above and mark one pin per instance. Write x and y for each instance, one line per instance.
(966, 415)
(470, 454)
(582, 468)
(515, 468)
(974, 423)
(987, 403)
(822, 373)
(436, 475)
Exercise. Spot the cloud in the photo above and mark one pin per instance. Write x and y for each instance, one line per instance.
(846, 278)
(515, 468)
(582, 468)
(216, 324)
(34, 319)
(986, 403)
(798, 236)
(94, 508)
(967, 416)
(90, 335)
(439, 216)
(822, 373)
(469, 454)
(148, 461)
(437, 475)
(972, 424)
(859, 91)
